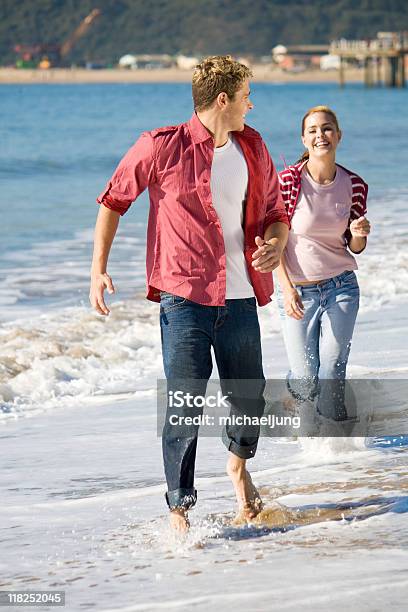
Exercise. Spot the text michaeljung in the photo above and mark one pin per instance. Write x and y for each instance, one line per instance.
(267, 420)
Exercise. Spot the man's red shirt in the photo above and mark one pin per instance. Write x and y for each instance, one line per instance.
(185, 246)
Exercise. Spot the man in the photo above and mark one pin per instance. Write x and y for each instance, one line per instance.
(216, 230)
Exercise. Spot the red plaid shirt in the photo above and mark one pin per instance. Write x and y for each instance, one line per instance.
(185, 245)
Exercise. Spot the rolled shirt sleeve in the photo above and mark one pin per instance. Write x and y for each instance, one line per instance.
(275, 208)
(135, 172)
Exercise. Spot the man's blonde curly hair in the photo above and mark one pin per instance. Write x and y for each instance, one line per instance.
(216, 74)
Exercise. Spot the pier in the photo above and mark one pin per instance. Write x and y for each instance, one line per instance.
(383, 58)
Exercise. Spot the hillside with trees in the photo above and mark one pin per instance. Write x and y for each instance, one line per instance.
(192, 26)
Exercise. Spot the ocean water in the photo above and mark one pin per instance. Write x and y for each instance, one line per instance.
(81, 479)
(61, 143)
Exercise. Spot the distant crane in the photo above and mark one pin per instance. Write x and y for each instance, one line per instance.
(40, 54)
(81, 30)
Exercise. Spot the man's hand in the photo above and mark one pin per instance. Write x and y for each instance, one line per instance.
(360, 228)
(100, 282)
(267, 256)
(293, 304)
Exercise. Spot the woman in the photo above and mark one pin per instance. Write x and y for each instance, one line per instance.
(319, 293)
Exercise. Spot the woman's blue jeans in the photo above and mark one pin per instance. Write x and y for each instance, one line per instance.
(318, 346)
(189, 331)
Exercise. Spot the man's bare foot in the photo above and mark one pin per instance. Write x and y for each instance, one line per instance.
(179, 520)
(255, 497)
(248, 498)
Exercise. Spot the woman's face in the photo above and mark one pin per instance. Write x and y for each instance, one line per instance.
(320, 135)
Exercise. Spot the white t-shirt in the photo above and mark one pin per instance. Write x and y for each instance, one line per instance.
(229, 181)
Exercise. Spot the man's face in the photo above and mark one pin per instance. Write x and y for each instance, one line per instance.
(238, 108)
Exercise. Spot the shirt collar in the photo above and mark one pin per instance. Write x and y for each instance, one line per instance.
(199, 132)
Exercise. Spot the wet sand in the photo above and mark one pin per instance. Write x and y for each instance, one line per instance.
(262, 74)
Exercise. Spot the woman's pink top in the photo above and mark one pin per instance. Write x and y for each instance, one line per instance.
(316, 247)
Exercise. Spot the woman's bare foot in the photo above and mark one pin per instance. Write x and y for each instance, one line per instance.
(179, 520)
(248, 498)
(291, 405)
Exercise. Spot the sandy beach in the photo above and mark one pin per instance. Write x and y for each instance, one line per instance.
(262, 74)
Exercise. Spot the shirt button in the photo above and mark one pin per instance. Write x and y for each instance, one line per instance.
(205, 180)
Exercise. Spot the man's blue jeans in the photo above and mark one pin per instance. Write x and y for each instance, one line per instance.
(318, 345)
(188, 332)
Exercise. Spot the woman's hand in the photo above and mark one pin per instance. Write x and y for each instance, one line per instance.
(293, 303)
(360, 228)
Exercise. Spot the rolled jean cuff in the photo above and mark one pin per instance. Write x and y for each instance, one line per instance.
(181, 498)
(244, 452)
